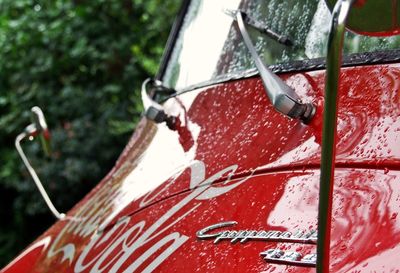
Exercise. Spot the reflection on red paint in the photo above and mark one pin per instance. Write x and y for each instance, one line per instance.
(155, 196)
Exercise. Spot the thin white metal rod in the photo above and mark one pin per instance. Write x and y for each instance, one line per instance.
(35, 178)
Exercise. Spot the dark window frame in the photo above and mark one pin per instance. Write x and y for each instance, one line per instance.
(173, 36)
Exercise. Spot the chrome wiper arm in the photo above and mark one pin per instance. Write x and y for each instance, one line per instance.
(283, 97)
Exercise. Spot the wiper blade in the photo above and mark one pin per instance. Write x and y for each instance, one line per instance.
(251, 22)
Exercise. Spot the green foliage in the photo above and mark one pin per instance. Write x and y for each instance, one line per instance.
(82, 62)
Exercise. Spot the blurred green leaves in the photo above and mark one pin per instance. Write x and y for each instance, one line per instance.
(82, 62)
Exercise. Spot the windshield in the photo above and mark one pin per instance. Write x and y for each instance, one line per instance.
(209, 44)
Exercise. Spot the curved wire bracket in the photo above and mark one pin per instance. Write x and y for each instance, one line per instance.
(333, 63)
(38, 183)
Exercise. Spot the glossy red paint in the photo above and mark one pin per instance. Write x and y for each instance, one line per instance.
(233, 157)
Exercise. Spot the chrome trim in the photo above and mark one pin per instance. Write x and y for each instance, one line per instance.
(333, 63)
(356, 59)
(242, 236)
(293, 258)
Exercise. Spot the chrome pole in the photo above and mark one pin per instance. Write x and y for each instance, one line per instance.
(332, 80)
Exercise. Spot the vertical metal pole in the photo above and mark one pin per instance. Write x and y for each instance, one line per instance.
(333, 63)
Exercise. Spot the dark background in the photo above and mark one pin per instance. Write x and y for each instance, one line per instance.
(83, 63)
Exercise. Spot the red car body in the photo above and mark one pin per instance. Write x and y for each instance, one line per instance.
(235, 158)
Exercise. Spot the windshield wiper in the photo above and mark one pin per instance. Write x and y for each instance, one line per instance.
(283, 97)
(253, 23)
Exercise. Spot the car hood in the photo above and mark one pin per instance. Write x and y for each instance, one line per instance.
(234, 158)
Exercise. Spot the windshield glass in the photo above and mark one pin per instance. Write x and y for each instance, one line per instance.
(209, 44)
